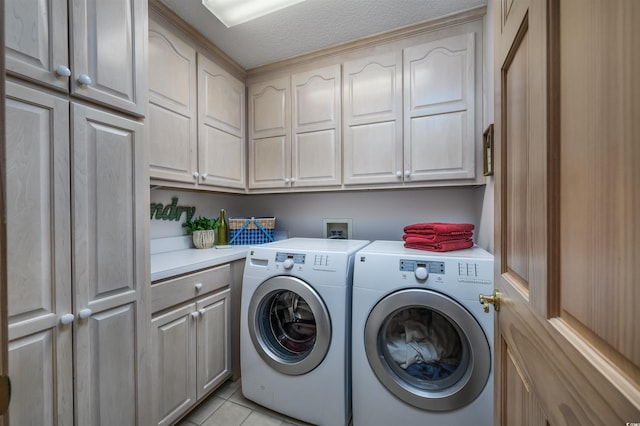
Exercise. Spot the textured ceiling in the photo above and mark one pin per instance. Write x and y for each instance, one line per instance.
(311, 25)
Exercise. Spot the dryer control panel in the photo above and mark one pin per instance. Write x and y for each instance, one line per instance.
(412, 265)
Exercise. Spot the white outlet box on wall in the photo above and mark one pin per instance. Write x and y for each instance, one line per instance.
(337, 228)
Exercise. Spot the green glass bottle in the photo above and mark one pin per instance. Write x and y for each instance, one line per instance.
(222, 234)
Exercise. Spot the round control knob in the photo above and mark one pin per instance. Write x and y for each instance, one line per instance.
(288, 264)
(421, 273)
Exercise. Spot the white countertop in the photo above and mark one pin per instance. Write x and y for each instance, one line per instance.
(183, 259)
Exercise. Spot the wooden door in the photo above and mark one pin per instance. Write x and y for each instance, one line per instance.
(172, 111)
(108, 48)
(316, 146)
(567, 223)
(214, 344)
(110, 268)
(38, 257)
(36, 41)
(372, 111)
(174, 363)
(439, 108)
(270, 134)
(221, 127)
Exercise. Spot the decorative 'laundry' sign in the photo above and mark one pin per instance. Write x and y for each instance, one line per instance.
(171, 211)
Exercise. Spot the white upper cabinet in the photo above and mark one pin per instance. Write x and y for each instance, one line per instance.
(316, 128)
(439, 108)
(295, 131)
(221, 127)
(172, 118)
(270, 134)
(100, 57)
(196, 117)
(372, 89)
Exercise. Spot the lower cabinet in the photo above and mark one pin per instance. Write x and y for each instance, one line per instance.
(191, 343)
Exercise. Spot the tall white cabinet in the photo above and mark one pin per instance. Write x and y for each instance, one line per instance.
(77, 192)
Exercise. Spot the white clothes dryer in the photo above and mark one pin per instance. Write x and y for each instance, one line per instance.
(296, 328)
(422, 344)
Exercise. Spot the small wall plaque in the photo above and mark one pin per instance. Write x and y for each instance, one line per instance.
(487, 150)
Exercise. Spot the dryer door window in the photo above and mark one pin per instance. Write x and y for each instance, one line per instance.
(427, 349)
(289, 325)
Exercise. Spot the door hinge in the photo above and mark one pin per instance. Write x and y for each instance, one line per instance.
(5, 394)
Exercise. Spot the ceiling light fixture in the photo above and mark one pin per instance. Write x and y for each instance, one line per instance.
(235, 12)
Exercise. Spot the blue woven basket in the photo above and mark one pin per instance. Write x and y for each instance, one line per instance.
(243, 231)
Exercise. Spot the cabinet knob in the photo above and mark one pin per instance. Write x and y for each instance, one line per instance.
(63, 71)
(293, 180)
(67, 319)
(407, 173)
(198, 286)
(202, 311)
(399, 174)
(287, 180)
(204, 175)
(195, 314)
(196, 174)
(85, 313)
(84, 79)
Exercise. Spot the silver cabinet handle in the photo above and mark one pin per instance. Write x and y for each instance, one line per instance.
(196, 174)
(198, 286)
(63, 71)
(195, 315)
(84, 313)
(67, 319)
(84, 79)
(202, 311)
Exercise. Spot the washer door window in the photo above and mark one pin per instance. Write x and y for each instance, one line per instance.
(289, 325)
(427, 350)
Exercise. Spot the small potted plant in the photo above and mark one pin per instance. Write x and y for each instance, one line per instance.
(202, 231)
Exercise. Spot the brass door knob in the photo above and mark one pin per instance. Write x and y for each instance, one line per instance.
(493, 299)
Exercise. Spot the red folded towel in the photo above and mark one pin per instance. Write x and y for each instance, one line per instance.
(442, 246)
(439, 228)
(417, 238)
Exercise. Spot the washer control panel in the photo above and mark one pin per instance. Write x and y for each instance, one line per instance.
(431, 267)
(294, 258)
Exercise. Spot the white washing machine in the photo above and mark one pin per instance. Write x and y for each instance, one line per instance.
(296, 328)
(422, 345)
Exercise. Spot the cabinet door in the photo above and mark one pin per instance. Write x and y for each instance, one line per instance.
(270, 134)
(110, 270)
(108, 59)
(316, 148)
(174, 363)
(172, 107)
(214, 344)
(36, 40)
(221, 134)
(439, 98)
(373, 120)
(38, 257)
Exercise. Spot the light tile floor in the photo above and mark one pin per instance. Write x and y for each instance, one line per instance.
(228, 407)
